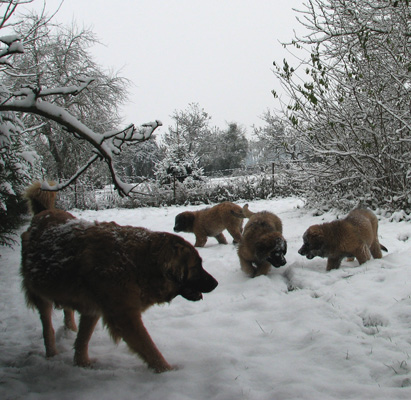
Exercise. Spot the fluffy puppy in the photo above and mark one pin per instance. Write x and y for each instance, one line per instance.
(211, 222)
(262, 244)
(109, 271)
(39, 200)
(354, 236)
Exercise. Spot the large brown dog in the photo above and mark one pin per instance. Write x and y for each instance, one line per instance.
(262, 244)
(354, 236)
(211, 222)
(103, 269)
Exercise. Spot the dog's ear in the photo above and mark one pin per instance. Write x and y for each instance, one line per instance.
(189, 220)
(262, 248)
(173, 258)
(285, 247)
(185, 220)
(268, 243)
(315, 232)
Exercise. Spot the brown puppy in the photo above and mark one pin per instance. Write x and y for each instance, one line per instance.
(262, 244)
(354, 236)
(103, 269)
(211, 222)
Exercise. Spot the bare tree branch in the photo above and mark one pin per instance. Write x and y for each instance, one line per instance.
(107, 144)
(38, 100)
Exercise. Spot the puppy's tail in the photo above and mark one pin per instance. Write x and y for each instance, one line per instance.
(245, 213)
(39, 200)
(383, 248)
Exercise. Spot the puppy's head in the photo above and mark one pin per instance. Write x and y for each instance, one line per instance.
(184, 222)
(313, 243)
(183, 267)
(272, 247)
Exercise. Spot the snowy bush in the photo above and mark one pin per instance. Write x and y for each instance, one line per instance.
(179, 163)
(349, 101)
(16, 162)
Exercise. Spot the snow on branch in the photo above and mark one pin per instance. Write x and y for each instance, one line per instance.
(106, 144)
(13, 45)
(74, 90)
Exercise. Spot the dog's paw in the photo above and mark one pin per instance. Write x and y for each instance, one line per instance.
(164, 368)
(84, 362)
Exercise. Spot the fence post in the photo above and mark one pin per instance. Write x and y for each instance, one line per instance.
(174, 189)
(75, 194)
(272, 181)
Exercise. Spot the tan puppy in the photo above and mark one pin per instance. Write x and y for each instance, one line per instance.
(354, 236)
(211, 222)
(39, 200)
(108, 270)
(262, 244)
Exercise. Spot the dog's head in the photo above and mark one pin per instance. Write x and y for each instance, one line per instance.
(184, 222)
(183, 267)
(313, 245)
(272, 247)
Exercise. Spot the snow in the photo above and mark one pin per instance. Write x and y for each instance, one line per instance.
(6, 187)
(30, 157)
(298, 333)
(9, 39)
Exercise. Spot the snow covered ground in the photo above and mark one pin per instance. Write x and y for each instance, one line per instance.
(298, 333)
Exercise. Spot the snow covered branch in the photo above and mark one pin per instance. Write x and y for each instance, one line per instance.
(106, 144)
(13, 45)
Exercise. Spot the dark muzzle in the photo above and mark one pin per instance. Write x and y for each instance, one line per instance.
(193, 289)
(277, 260)
(303, 250)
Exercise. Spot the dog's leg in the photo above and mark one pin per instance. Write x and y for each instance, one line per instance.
(247, 267)
(130, 327)
(86, 329)
(333, 263)
(200, 241)
(69, 321)
(263, 268)
(45, 309)
(376, 249)
(221, 238)
(363, 254)
(235, 233)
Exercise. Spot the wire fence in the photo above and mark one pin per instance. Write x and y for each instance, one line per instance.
(281, 179)
(248, 183)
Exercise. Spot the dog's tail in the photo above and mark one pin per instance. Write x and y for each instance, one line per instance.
(383, 248)
(245, 213)
(39, 200)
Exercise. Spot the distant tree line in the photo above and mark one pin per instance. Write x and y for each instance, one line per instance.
(193, 147)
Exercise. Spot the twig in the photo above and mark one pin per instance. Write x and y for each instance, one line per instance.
(260, 326)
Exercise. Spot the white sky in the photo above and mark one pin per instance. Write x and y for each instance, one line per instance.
(217, 53)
